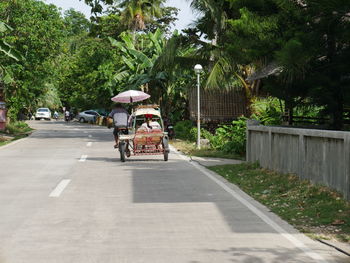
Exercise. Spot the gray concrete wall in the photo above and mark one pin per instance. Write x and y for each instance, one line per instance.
(317, 155)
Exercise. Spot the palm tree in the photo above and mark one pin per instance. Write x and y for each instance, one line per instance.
(213, 21)
(224, 69)
(136, 13)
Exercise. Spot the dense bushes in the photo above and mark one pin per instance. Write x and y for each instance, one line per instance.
(230, 138)
(18, 127)
(268, 111)
(183, 130)
(227, 138)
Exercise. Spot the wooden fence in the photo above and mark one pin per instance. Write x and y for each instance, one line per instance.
(317, 155)
(218, 105)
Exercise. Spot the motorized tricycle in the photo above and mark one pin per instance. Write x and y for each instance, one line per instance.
(143, 139)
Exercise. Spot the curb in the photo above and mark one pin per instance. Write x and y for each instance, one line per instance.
(13, 142)
(258, 209)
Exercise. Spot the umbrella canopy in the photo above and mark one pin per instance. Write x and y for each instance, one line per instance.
(130, 96)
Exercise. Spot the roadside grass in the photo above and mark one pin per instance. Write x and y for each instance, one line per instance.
(189, 148)
(17, 128)
(3, 141)
(314, 210)
(14, 131)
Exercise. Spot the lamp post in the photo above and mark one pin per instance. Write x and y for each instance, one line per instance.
(198, 69)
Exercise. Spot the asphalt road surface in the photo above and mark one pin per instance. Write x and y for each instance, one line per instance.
(66, 197)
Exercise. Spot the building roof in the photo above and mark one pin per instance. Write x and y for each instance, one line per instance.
(270, 69)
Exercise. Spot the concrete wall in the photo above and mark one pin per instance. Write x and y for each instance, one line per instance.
(318, 155)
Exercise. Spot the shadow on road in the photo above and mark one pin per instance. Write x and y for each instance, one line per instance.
(177, 181)
(253, 254)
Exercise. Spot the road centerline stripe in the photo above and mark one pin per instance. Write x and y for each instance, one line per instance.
(89, 144)
(59, 188)
(83, 158)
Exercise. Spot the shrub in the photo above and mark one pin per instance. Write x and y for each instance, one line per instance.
(183, 129)
(267, 110)
(204, 134)
(230, 138)
(17, 127)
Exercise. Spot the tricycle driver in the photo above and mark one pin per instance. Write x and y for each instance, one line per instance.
(120, 120)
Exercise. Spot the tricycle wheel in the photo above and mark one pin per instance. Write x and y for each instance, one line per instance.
(122, 151)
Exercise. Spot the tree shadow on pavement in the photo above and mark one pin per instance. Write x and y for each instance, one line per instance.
(264, 255)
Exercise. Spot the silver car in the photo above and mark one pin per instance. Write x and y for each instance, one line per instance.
(87, 116)
(43, 113)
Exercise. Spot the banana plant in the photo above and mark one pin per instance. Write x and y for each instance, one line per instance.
(4, 46)
(138, 61)
(7, 49)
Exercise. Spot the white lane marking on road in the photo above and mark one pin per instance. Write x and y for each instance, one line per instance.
(83, 158)
(85, 132)
(256, 211)
(90, 136)
(89, 144)
(59, 188)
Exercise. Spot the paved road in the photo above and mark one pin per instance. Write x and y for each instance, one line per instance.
(65, 197)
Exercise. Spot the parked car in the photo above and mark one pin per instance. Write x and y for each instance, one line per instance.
(43, 113)
(88, 115)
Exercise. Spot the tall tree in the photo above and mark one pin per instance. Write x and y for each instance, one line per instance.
(308, 39)
(75, 23)
(137, 13)
(38, 33)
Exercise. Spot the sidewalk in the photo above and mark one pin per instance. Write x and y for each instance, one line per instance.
(344, 248)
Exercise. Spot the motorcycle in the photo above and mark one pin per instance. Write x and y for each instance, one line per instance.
(169, 128)
(55, 116)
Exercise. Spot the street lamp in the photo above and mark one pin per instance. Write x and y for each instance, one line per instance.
(198, 69)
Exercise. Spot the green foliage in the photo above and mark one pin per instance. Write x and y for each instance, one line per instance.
(193, 135)
(86, 73)
(7, 49)
(268, 110)
(18, 127)
(38, 34)
(183, 130)
(50, 98)
(310, 208)
(75, 23)
(309, 40)
(190, 148)
(230, 138)
(136, 14)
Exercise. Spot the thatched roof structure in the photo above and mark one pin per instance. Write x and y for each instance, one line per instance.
(270, 69)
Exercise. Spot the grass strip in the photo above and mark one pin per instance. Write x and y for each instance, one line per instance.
(190, 148)
(314, 210)
(17, 137)
(14, 131)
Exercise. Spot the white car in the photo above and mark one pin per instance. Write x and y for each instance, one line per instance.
(43, 113)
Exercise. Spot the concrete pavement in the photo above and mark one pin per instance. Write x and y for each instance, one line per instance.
(143, 210)
(205, 161)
